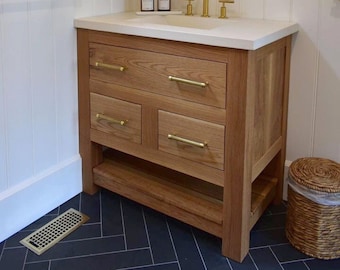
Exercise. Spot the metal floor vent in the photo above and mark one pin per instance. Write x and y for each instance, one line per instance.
(51, 233)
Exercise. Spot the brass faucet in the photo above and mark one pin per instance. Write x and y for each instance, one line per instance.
(189, 8)
(205, 8)
(223, 14)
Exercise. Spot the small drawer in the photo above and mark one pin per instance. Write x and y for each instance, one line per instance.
(190, 138)
(117, 117)
(196, 80)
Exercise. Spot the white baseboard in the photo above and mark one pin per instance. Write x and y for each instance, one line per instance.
(285, 179)
(35, 197)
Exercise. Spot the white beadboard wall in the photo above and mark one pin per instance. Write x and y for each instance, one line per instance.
(40, 166)
(39, 161)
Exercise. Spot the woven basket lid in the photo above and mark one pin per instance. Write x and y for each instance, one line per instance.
(316, 173)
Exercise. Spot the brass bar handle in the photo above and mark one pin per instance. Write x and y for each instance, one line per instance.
(183, 140)
(114, 67)
(101, 116)
(176, 79)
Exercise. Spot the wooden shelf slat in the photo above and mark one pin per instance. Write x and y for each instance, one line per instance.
(263, 193)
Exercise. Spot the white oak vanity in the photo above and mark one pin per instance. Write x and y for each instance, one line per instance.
(185, 120)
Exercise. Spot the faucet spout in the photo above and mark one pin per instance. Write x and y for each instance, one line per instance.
(205, 8)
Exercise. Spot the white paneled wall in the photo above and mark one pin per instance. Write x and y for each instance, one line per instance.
(303, 89)
(3, 140)
(18, 92)
(315, 87)
(42, 70)
(38, 110)
(39, 157)
(39, 160)
(65, 77)
(327, 112)
(97, 7)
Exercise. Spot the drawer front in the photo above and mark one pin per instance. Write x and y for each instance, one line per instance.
(193, 139)
(195, 80)
(117, 117)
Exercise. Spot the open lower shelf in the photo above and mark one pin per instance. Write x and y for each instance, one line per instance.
(263, 193)
(147, 184)
(186, 198)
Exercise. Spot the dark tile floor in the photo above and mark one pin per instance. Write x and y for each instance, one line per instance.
(124, 235)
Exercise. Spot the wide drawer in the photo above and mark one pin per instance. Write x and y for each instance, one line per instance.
(195, 80)
(120, 118)
(193, 139)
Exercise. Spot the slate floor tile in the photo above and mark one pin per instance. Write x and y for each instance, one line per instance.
(112, 223)
(90, 206)
(186, 249)
(124, 235)
(210, 247)
(264, 259)
(287, 252)
(135, 230)
(13, 258)
(271, 222)
(247, 264)
(119, 260)
(160, 240)
(37, 266)
(267, 237)
(84, 232)
(323, 264)
(167, 266)
(299, 265)
(80, 248)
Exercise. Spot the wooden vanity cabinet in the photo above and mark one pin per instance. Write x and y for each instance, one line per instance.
(207, 149)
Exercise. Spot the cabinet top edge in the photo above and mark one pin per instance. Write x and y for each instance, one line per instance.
(238, 33)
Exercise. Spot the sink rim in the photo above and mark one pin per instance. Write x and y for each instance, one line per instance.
(180, 21)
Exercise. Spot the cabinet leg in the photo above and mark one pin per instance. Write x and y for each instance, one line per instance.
(93, 158)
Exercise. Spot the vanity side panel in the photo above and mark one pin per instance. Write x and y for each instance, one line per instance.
(275, 168)
(268, 103)
(268, 111)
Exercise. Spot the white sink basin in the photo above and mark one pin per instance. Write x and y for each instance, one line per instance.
(180, 21)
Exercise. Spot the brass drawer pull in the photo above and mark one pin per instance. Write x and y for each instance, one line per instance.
(114, 67)
(176, 79)
(183, 140)
(100, 116)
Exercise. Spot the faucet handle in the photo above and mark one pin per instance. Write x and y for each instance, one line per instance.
(189, 8)
(223, 14)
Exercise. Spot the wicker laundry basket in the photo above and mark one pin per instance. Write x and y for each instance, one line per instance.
(313, 212)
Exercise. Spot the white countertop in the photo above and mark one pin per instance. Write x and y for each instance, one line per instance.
(239, 33)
